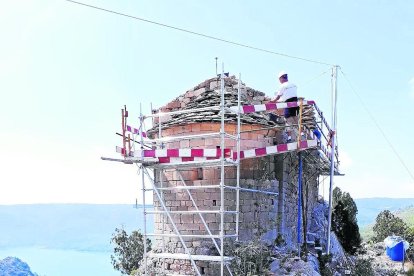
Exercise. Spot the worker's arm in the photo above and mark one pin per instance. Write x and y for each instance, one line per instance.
(275, 99)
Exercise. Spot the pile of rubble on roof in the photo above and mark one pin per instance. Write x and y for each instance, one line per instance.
(207, 94)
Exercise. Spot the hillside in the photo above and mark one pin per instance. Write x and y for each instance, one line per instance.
(369, 208)
(406, 214)
(86, 227)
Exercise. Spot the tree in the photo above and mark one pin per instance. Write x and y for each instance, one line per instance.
(387, 224)
(346, 199)
(128, 250)
(344, 221)
(346, 228)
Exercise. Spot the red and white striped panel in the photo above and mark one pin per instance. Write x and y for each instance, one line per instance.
(177, 153)
(120, 150)
(271, 150)
(268, 106)
(186, 155)
(164, 160)
(135, 131)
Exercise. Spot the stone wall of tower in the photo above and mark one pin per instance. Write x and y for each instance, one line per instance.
(258, 212)
(260, 215)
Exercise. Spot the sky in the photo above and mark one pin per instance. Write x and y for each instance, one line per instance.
(67, 70)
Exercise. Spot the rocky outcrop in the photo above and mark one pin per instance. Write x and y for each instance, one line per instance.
(12, 266)
(380, 262)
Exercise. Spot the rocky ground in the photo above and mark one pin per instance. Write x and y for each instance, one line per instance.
(380, 262)
(287, 262)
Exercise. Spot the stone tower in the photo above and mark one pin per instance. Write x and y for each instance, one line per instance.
(261, 216)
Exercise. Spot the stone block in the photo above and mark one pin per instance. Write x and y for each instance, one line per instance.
(214, 85)
(198, 92)
(182, 196)
(190, 226)
(197, 143)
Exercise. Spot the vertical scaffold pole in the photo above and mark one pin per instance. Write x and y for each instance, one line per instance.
(238, 160)
(334, 94)
(141, 119)
(299, 200)
(299, 138)
(161, 184)
(222, 136)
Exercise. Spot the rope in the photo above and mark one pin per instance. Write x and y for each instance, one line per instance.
(200, 34)
(378, 127)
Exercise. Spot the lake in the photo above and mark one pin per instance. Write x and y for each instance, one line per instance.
(66, 239)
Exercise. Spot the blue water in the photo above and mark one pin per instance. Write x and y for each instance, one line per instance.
(66, 239)
(51, 262)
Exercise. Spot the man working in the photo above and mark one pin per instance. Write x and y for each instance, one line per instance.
(287, 93)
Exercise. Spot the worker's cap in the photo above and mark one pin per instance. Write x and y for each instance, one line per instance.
(281, 74)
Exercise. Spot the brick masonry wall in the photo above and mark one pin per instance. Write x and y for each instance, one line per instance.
(256, 209)
(259, 213)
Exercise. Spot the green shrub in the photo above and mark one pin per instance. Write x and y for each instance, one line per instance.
(128, 250)
(324, 260)
(387, 224)
(363, 267)
(251, 258)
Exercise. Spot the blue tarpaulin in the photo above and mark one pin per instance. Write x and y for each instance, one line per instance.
(396, 247)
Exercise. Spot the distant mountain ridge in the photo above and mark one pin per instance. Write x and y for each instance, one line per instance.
(88, 227)
(407, 215)
(85, 227)
(403, 209)
(369, 208)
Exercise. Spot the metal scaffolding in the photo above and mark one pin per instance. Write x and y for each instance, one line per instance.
(149, 166)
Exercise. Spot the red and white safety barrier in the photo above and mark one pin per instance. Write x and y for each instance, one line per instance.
(185, 155)
(176, 153)
(135, 131)
(164, 160)
(268, 106)
(271, 150)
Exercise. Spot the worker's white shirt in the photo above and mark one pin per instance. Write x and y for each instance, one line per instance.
(286, 91)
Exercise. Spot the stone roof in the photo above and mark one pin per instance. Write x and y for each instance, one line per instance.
(207, 94)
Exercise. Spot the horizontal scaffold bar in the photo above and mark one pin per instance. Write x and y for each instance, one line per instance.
(276, 149)
(214, 187)
(188, 187)
(191, 212)
(206, 236)
(192, 136)
(182, 111)
(160, 153)
(177, 156)
(267, 107)
(199, 162)
(182, 256)
(252, 190)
